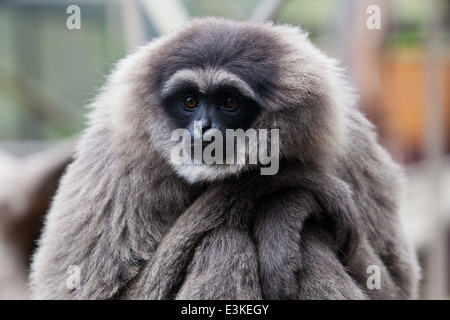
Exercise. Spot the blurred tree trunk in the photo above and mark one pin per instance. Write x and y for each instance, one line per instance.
(27, 186)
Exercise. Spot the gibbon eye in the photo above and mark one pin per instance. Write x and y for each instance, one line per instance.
(190, 102)
(231, 103)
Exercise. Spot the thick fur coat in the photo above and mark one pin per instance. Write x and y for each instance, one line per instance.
(139, 227)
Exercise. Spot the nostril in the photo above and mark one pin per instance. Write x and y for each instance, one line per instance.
(206, 127)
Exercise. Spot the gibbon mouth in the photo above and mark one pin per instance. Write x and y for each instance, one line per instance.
(203, 144)
(198, 149)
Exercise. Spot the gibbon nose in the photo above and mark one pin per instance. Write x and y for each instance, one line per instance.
(209, 133)
(199, 127)
(206, 125)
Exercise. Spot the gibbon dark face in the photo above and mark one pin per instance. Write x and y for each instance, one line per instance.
(222, 106)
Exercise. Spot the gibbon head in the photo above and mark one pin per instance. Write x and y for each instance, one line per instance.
(216, 75)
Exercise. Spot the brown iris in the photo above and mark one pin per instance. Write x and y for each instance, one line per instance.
(231, 103)
(190, 102)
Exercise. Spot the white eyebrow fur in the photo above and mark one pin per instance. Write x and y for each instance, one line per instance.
(206, 79)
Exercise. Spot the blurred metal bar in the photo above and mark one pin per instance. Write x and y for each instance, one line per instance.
(265, 10)
(39, 99)
(165, 15)
(436, 278)
(133, 24)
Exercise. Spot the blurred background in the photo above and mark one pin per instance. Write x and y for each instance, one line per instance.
(49, 73)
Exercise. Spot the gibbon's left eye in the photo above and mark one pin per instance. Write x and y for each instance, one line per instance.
(190, 102)
(231, 103)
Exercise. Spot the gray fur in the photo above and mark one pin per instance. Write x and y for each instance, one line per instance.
(140, 227)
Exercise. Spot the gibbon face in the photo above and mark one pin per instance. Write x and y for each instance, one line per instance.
(218, 75)
(223, 101)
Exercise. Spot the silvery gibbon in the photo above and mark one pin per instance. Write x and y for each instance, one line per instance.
(139, 223)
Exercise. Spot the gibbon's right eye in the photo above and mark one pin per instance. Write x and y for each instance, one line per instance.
(190, 102)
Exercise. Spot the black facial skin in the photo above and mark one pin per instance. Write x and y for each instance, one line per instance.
(211, 108)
